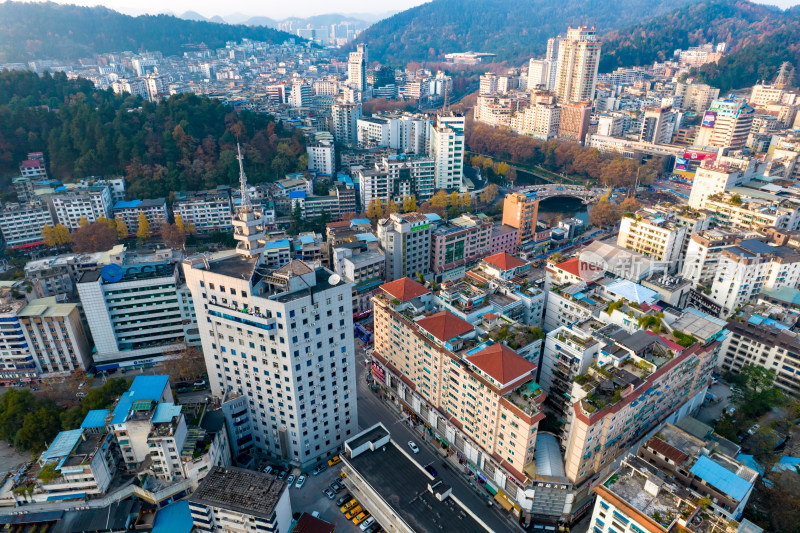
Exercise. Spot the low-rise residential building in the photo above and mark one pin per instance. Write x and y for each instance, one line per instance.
(71, 206)
(235, 499)
(504, 239)
(155, 211)
(207, 211)
(362, 265)
(729, 210)
(22, 224)
(458, 244)
(652, 234)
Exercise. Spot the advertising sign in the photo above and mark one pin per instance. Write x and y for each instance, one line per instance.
(114, 273)
(378, 373)
(681, 163)
(709, 119)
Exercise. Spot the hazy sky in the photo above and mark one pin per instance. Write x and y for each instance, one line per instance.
(275, 9)
(268, 8)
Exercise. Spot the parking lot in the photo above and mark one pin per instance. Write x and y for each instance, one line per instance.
(310, 498)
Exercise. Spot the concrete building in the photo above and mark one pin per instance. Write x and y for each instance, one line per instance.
(381, 472)
(764, 342)
(726, 124)
(657, 125)
(155, 211)
(363, 266)
(357, 68)
(542, 73)
(291, 324)
(33, 168)
(504, 239)
(703, 254)
(573, 122)
(715, 177)
(436, 367)
(322, 157)
(578, 61)
(748, 267)
(207, 211)
(55, 336)
(458, 244)
(234, 499)
(396, 177)
(133, 312)
(16, 361)
(654, 235)
(521, 211)
(406, 241)
(91, 203)
(22, 224)
(447, 150)
(344, 119)
(300, 95)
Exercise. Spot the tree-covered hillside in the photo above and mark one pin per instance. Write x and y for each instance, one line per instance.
(186, 142)
(513, 30)
(52, 31)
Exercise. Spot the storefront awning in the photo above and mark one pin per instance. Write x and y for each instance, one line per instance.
(490, 488)
(503, 501)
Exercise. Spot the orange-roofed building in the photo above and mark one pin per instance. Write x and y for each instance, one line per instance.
(503, 265)
(404, 289)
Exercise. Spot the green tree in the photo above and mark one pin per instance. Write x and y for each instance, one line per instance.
(753, 391)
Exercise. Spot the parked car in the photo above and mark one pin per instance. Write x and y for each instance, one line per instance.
(413, 446)
(282, 474)
(366, 523)
(82, 384)
(360, 517)
(354, 512)
(329, 493)
(200, 384)
(336, 486)
(81, 394)
(349, 505)
(341, 501)
(290, 479)
(335, 460)
(752, 430)
(268, 470)
(318, 470)
(300, 482)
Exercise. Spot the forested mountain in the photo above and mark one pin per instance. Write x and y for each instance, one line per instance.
(512, 30)
(53, 31)
(759, 39)
(186, 142)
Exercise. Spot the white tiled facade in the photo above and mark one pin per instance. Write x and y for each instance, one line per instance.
(22, 223)
(90, 204)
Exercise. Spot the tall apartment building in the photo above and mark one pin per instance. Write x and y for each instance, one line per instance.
(22, 224)
(749, 266)
(459, 243)
(16, 362)
(406, 241)
(207, 211)
(488, 84)
(55, 336)
(404, 132)
(133, 312)
(344, 118)
(578, 61)
(726, 124)
(716, 176)
(542, 73)
(300, 95)
(766, 343)
(540, 121)
(657, 125)
(155, 211)
(396, 177)
(357, 68)
(696, 97)
(653, 234)
(90, 203)
(322, 157)
(520, 211)
(447, 150)
(573, 122)
(479, 396)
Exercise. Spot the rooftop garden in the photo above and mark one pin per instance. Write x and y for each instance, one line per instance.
(684, 339)
(524, 397)
(517, 336)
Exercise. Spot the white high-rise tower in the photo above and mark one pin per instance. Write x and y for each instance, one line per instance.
(578, 61)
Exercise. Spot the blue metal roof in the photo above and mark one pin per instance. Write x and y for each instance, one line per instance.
(720, 477)
(127, 204)
(142, 388)
(359, 221)
(306, 239)
(633, 292)
(95, 418)
(433, 217)
(366, 237)
(165, 412)
(750, 461)
(297, 194)
(63, 444)
(790, 464)
(283, 243)
(758, 320)
(174, 518)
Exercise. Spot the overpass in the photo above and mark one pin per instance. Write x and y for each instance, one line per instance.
(552, 190)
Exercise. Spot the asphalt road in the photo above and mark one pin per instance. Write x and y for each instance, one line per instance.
(372, 410)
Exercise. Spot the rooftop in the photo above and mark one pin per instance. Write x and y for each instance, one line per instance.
(143, 388)
(63, 444)
(721, 478)
(404, 289)
(235, 266)
(501, 363)
(240, 490)
(445, 325)
(95, 418)
(504, 261)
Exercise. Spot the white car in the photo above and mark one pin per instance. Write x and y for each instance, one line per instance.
(753, 430)
(290, 479)
(300, 482)
(366, 523)
(413, 446)
(268, 470)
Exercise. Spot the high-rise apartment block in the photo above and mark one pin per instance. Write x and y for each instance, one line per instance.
(657, 125)
(322, 157)
(406, 241)
(447, 149)
(55, 336)
(573, 122)
(22, 224)
(357, 68)
(520, 210)
(90, 203)
(578, 61)
(207, 211)
(154, 210)
(726, 124)
(344, 119)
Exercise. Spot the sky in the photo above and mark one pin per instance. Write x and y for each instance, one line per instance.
(270, 8)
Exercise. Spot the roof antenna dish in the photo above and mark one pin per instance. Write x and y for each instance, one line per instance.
(334, 279)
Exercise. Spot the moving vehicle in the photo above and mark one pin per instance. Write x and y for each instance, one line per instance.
(300, 482)
(335, 460)
(413, 446)
(431, 470)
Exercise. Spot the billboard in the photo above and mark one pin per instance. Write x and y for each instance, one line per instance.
(709, 119)
(699, 156)
(681, 163)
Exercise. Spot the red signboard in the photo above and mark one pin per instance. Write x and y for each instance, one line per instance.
(378, 372)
